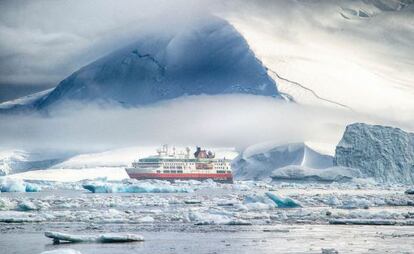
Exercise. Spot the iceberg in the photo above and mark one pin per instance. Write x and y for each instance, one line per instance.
(283, 202)
(383, 153)
(103, 238)
(17, 185)
(300, 173)
(259, 161)
(142, 187)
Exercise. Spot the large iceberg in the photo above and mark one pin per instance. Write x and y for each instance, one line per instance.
(383, 153)
(300, 173)
(258, 162)
(207, 57)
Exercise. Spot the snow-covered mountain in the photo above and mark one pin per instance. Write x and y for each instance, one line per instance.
(383, 153)
(259, 161)
(208, 57)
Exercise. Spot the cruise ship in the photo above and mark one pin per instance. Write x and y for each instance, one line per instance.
(171, 165)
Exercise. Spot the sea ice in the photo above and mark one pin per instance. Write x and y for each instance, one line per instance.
(103, 238)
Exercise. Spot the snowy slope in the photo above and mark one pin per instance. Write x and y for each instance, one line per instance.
(384, 153)
(259, 161)
(354, 54)
(26, 101)
(208, 57)
(15, 161)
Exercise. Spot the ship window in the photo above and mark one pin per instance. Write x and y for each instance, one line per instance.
(166, 171)
(158, 171)
(179, 171)
(173, 171)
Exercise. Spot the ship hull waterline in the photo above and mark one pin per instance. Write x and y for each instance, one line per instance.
(224, 178)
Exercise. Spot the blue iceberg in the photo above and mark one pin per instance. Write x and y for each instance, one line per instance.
(17, 185)
(144, 187)
(283, 202)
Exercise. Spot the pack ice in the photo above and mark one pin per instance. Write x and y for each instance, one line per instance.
(383, 153)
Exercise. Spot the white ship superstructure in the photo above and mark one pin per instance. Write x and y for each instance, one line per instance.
(169, 164)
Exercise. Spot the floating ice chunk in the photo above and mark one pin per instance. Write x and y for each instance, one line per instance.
(257, 202)
(104, 238)
(5, 204)
(192, 201)
(355, 203)
(17, 185)
(283, 202)
(333, 201)
(410, 191)
(215, 218)
(146, 219)
(19, 217)
(363, 222)
(61, 251)
(329, 251)
(140, 187)
(27, 205)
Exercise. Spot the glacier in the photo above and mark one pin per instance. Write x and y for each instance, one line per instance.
(384, 153)
(259, 161)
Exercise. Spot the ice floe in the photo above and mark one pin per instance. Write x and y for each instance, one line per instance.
(103, 238)
(61, 251)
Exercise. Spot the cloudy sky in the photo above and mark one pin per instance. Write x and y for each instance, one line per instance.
(42, 42)
(358, 53)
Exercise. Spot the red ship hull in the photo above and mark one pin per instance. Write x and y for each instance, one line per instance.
(225, 177)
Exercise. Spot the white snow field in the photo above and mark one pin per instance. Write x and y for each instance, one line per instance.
(355, 54)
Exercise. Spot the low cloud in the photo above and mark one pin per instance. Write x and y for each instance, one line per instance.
(220, 121)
